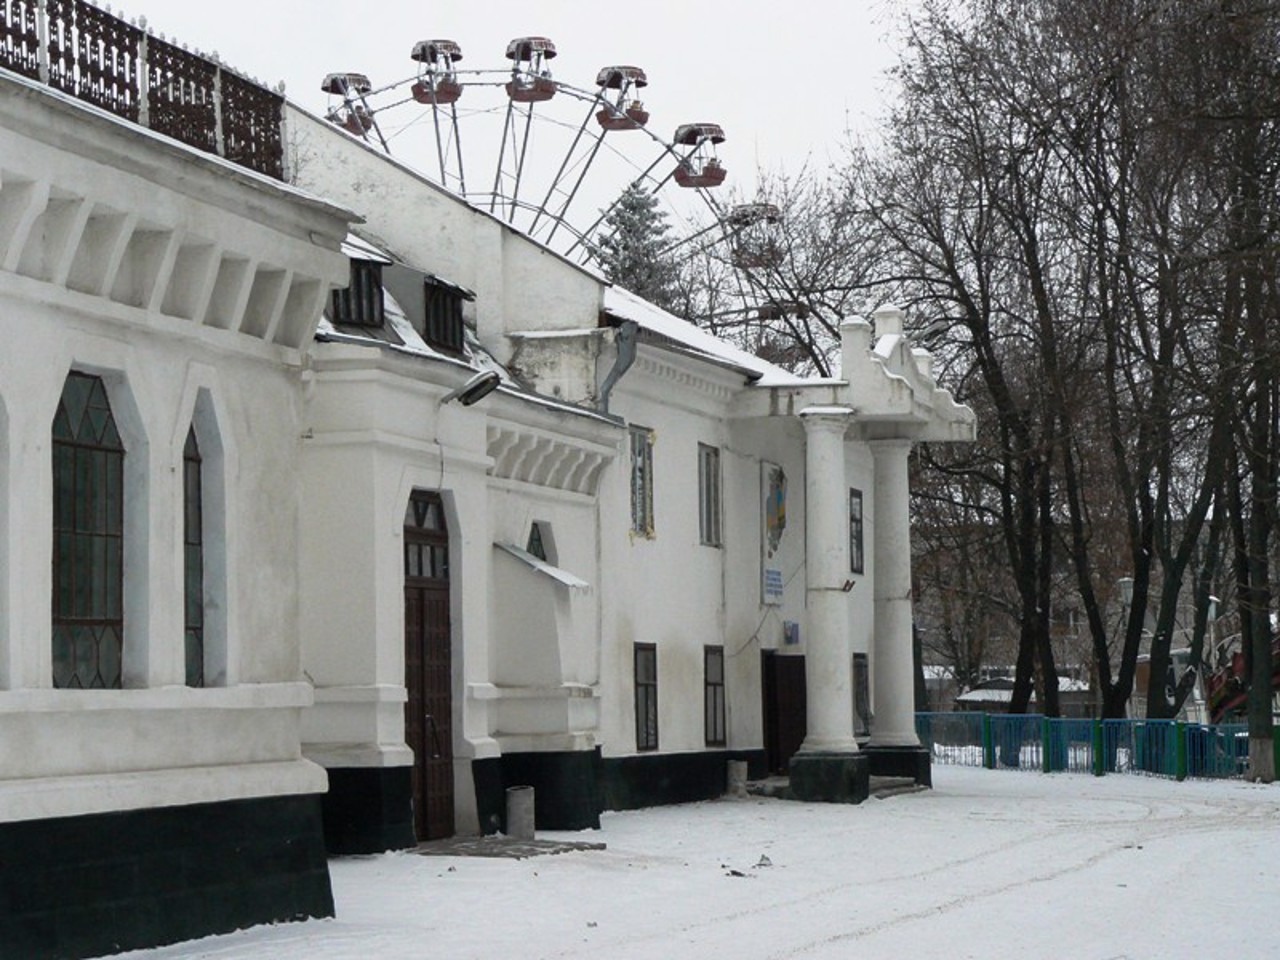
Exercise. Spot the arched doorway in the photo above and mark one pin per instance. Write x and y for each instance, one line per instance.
(428, 674)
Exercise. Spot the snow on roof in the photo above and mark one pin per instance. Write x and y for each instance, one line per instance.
(357, 248)
(476, 356)
(625, 305)
(1000, 690)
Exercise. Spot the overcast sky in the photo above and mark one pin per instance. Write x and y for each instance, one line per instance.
(785, 78)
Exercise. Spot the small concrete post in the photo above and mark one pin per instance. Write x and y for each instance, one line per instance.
(737, 782)
(520, 813)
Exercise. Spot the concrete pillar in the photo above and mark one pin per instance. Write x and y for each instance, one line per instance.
(894, 747)
(828, 766)
(894, 690)
(828, 667)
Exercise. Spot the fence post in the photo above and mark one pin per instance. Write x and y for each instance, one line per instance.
(144, 76)
(42, 41)
(988, 743)
(1099, 767)
(219, 137)
(1046, 737)
(1180, 751)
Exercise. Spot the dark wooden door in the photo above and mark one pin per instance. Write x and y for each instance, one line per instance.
(428, 675)
(782, 688)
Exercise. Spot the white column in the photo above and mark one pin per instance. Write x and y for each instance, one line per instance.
(828, 666)
(894, 690)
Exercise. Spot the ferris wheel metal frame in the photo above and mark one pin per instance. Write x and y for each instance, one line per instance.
(439, 85)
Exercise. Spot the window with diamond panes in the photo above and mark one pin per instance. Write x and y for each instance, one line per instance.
(646, 666)
(88, 538)
(193, 559)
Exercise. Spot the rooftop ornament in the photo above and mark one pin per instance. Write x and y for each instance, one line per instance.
(624, 111)
(530, 76)
(699, 168)
(437, 82)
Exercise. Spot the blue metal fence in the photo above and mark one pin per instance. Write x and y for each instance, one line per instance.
(1162, 748)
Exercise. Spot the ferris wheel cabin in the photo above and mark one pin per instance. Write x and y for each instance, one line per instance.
(700, 167)
(530, 76)
(437, 81)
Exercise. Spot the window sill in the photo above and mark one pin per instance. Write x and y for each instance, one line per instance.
(248, 696)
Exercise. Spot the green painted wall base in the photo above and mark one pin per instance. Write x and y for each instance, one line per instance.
(368, 810)
(913, 762)
(830, 777)
(104, 883)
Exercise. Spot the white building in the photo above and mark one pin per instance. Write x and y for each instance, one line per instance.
(272, 581)
(668, 624)
(156, 305)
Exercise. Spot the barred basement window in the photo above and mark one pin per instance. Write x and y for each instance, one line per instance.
(88, 538)
(193, 559)
(443, 317)
(646, 667)
(642, 481)
(709, 494)
(713, 671)
(360, 304)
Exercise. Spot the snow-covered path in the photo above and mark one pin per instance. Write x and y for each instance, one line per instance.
(987, 865)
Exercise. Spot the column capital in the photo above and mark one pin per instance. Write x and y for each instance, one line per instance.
(830, 417)
(890, 443)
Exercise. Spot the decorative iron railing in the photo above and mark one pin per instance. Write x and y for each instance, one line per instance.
(101, 59)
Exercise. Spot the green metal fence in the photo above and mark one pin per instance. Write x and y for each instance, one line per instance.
(1161, 748)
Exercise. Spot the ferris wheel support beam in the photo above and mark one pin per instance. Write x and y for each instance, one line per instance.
(555, 182)
(564, 207)
(524, 151)
(457, 148)
(644, 175)
(502, 152)
(435, 120)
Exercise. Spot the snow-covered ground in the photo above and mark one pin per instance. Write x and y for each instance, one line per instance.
(987, 865)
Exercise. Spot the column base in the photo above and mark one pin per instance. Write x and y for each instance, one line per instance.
(830, 777)
(914, 762)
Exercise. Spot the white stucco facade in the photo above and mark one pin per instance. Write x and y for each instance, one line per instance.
(191, 289)
(541, 667)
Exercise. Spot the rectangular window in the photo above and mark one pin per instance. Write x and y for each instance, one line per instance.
(642, 481)
(713, 697)
(443, 322)
(361, 303)
(709, 494)
(193, 558)
(646, 656)
(861, 696)
(855, 531)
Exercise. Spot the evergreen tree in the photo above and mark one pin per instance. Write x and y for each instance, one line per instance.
(632, 250)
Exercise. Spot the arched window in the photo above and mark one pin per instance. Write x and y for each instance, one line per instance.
(193, 559)
(88, 538)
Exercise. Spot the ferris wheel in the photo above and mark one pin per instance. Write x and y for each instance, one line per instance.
(546, 152)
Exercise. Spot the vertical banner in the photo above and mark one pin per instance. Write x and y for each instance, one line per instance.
(773, 499)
